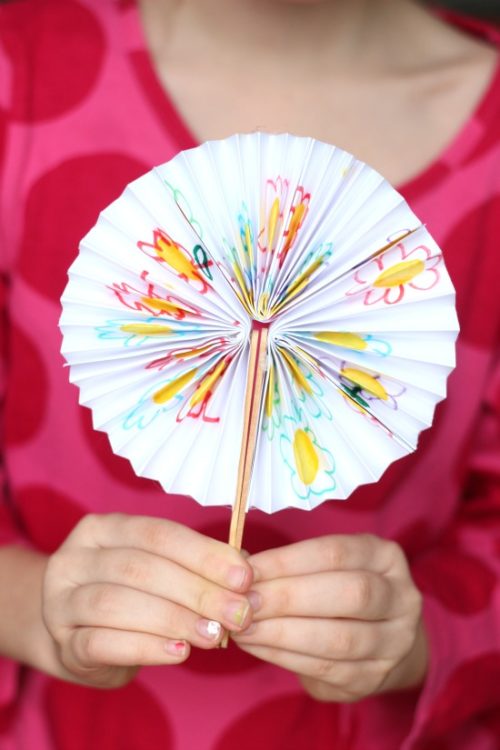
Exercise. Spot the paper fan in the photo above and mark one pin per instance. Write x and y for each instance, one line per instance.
(261, 322)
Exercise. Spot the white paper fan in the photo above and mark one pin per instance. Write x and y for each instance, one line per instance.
(268, 270)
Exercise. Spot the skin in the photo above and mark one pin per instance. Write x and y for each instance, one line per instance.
(381, 78)
(341, 612)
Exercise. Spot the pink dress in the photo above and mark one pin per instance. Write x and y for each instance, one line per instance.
(81, 114)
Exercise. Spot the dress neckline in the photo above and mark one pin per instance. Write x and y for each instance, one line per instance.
(460, 145)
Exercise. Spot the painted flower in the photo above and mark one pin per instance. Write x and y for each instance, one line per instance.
(133, 333)
(363, 388)
(312, 467)
(147, 409)
(386, 276)
(363, 343)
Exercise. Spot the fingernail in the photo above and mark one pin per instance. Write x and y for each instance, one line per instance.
(236, 577)
(175, 648)
(210, 629)
(237, 612)
(255, 600)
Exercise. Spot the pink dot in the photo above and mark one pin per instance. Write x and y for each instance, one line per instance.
(477, 315)
(62, 206)
(471, 689)
(460, 582)
(63, 43)
(26, 400)
(81, 718)
(115, 466)
(221, 661)
(415, 537)
(47, 515)
(496, 545)
(294, 722)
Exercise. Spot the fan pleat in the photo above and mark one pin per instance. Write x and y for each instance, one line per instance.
(291, 233)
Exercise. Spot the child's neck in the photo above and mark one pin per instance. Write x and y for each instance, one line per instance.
(283, 29)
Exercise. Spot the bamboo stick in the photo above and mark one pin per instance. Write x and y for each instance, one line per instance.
(254, 395)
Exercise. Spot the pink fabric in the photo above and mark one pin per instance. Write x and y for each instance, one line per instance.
(82, 114)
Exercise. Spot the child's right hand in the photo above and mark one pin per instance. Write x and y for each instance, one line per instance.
(125, 591)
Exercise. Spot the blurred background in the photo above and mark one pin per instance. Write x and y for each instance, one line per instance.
(482, 8)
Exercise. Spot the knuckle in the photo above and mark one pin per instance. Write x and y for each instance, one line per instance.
(156, 534)
(276, 631)
(282, 599)
(345, 676)
(343, 643)
(214, 561)
(395, 552)
(87, 646)
(361, 592)
(333, 552)
(133, 570)
(323, 669)
(102, 599)
(204, 603)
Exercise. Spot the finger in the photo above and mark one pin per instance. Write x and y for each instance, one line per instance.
(354, 594)
(112, 606)
(349, 680)
(96, 647)
(350, 640)
(163, 578)
(208, 557)
(328, 553)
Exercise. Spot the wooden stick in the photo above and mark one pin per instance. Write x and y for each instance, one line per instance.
(254, 395)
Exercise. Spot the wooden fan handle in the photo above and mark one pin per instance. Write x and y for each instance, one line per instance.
(254, 394)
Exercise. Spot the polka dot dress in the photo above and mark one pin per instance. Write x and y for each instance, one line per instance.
(82, 114)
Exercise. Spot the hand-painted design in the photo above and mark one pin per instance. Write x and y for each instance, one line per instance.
(363, 387)
(195, 406)
(203, 261)
(380, 283)
(273, 413)
(137, 334)
(239, 275)
(307, 394)
(246, 240)
(271, 219)
(312, 402)
(208, 349)
(152, 299)
(364, 343)
(312, 467)
(277, 235)
(164, 249)
(296, 215)
(185, 207)
(303, 275)
(142, 414)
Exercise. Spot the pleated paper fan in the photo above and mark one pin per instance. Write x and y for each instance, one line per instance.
(261, 322)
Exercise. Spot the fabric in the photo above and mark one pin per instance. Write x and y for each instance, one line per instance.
(82, 114)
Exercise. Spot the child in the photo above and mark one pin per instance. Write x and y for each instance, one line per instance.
(331, 646)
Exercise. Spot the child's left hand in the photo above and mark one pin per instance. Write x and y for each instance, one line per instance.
(342, 612)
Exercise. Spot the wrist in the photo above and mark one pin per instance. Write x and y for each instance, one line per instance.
(23, 634)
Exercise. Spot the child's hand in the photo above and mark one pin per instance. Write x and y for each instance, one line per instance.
(342, 612)
(125, 591)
